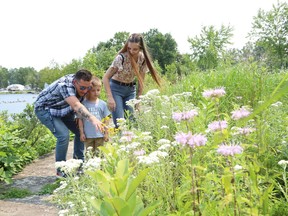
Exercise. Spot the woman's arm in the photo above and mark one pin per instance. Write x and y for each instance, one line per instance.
(106, 82)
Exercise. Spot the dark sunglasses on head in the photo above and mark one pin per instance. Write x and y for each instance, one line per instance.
(83, 88)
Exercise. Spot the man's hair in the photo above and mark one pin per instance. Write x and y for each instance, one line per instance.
(84, 75)
(96, 81)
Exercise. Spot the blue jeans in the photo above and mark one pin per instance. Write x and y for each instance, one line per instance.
(121, 95)
(60, 127)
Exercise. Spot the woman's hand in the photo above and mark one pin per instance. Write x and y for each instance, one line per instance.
(111, 104)
(82, 137)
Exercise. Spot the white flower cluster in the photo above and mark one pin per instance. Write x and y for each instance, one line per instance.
(283, 163)
(92, 164)
(63, 184)
(153, 157)
(70, 166)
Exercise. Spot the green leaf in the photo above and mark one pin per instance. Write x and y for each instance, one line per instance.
(120, 187)
(135, 183)
(96, 204)
(120, 206)
(122, 168)
(106, 208)
(150, 208)
(102, 180)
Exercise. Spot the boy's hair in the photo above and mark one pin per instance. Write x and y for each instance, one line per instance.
(96, 81)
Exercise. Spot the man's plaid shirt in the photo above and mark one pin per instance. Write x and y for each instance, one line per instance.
(53, 97)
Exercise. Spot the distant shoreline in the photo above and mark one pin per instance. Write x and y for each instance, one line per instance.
(19, 92)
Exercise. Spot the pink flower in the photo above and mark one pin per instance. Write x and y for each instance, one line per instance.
(244, 131)
(241, 113)
(182, 138)
(128, 135)
(217, 125)
(187, 115)
(139, 153)
(214, 93)
(227, 150)
(177, 116)
(197, 140)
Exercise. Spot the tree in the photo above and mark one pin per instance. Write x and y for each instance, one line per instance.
(117, 42)
(163, 47)
(4, 74)
(270, 32)
(210, 46)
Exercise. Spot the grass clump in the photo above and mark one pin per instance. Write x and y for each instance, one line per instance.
(15, 193)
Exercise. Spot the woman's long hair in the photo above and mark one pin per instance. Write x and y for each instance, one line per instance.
(138, 38)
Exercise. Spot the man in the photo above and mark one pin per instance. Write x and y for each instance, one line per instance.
(56, 107)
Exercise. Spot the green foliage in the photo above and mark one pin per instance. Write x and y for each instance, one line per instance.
(15, 193)
(199, 180)
(209, 47)
(163, 47)
(119, 192)
(4, 74)
(269, 31)
(21, 140)
(49, 188)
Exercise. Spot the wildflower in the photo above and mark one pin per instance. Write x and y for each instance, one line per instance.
(158, 154)
(133, 145)
(127, 136)
(139, 153)
(163, 141)
(69, 166)
(63, 212)
(187, 115)
(241, 113)
(277, 104)
(229, 150)
(177, 116)
(237, 167)
(197, 140)
(92, 164)
(133, 102)
(164, 147)
(217, 125)
(63, 185)
(182, 138)
(147, 160)
(244, 131)
(214, 93)
(164, 127)
(283, 163)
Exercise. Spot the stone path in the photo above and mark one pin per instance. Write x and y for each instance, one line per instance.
(34, 176)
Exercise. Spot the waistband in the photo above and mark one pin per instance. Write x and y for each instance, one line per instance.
(41, 108)
(123, 84)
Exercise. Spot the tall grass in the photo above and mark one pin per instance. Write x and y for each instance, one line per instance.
(215, 159)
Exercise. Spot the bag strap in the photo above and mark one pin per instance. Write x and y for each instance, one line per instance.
(123, 59)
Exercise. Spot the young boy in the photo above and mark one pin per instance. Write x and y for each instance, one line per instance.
(99, 109)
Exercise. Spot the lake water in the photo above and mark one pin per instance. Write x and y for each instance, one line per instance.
(16, 103)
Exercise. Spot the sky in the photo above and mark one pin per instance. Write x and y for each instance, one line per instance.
(36, 33)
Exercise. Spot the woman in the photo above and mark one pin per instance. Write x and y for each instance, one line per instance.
(132, 63)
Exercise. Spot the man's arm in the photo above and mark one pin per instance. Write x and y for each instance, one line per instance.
(83, 113)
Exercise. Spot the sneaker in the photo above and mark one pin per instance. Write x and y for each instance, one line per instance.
(61, 174)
